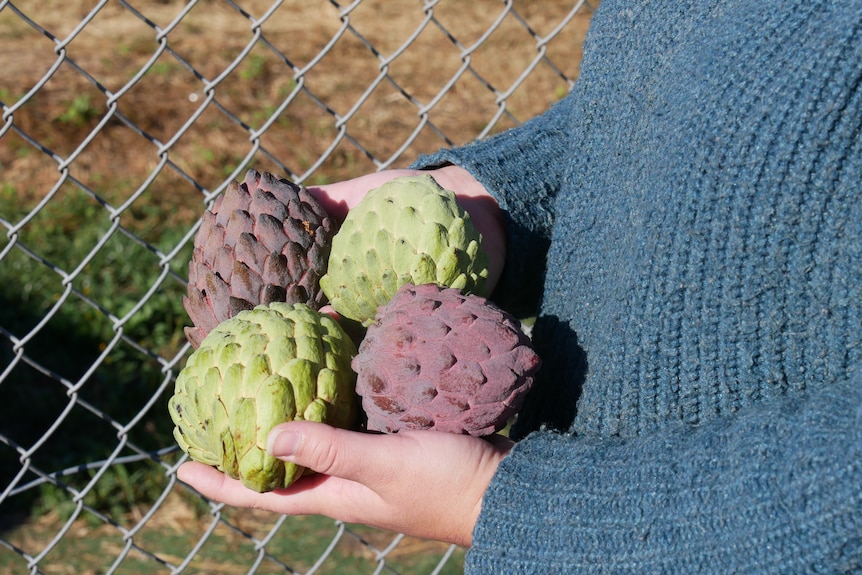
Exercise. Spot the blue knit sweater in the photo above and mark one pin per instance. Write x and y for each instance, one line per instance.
(691, 216)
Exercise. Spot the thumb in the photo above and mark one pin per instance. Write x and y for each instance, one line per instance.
(325, 449)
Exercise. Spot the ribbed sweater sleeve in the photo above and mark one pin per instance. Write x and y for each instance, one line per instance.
(699, 405)
(775, 490)
(706, 268)
(521, 169)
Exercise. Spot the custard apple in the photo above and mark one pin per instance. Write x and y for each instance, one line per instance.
(436, 358)
(265, 240)
(409, 230)
(262, 367)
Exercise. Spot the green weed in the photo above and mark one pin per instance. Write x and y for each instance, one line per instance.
(98, 324)
(253, 68)
(79, 112)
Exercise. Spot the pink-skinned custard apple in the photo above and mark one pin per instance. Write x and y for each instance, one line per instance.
(435, 358)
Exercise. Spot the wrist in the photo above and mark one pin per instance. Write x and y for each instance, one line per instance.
(484, 211)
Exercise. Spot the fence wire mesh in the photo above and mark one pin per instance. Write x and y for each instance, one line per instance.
(121, 120)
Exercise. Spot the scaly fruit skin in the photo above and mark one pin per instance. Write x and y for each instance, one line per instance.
(438, 359)
(258, 369)
(265, 240)
(410, 230)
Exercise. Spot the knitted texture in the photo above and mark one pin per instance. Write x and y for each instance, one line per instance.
(734, 497)
(526, 195)
(698, 198)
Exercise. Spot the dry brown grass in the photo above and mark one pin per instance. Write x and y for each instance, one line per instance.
(116, 45)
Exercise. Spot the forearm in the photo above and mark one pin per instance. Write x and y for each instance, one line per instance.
(523, 168)
(776, 490)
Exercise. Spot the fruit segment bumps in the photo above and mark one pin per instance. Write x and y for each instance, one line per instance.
(409, 230)
(438, 359)
(264, 240)
(258, 369)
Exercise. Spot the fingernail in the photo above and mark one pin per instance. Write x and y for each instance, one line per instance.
(282, 444)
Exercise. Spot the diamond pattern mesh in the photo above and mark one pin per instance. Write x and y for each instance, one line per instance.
(121, 120)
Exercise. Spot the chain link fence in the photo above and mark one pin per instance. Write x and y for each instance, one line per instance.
(121, 121)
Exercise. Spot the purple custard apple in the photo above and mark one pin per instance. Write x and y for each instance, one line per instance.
(435, 358)
(265, 240)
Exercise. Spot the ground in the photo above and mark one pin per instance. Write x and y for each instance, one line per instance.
(148, 108)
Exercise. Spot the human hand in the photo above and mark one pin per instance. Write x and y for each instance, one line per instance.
(427, 484)
(424, 483)
(339, 197)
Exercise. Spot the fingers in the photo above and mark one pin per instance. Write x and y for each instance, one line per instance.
(372, 478)
(339, 197)
(346, 460)
(310, 495)
(213, 484)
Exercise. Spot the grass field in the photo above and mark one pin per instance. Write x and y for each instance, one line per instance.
(299, 544)
(114, 134)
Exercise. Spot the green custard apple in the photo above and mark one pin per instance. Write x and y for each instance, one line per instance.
(262, 367)
(409, 230)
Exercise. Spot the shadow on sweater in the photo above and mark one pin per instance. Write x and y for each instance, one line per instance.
(553, 400)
